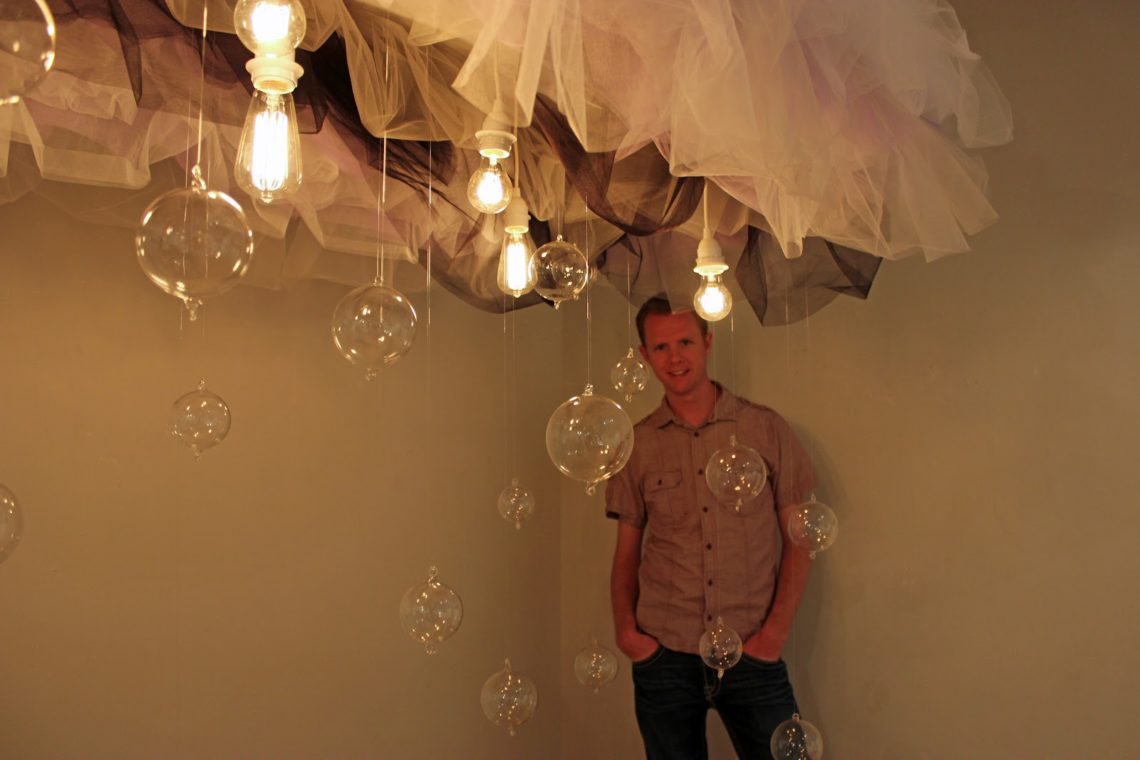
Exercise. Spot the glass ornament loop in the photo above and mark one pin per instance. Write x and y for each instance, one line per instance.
(720, 647)
(813, 526)
(27, 47)
(796, 739)
(509, 699)
(589, 438)
(595, 666)
(194, 243)
(201, 419)
(11, 523)
(430, 612)
(562, 271)
(516, 504)
(736, 474)
(629, 375)
(373, 326)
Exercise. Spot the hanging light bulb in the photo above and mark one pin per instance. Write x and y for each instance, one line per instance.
(712, 300)
(490, 189)
(517, 272)
(269, 155)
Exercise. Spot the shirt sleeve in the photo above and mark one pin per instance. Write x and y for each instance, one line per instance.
(623, 497)
(794, 479)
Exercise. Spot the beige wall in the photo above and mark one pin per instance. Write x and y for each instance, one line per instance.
(245, 606)
(974, 425)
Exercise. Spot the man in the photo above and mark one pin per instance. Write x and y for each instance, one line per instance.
(701, 559)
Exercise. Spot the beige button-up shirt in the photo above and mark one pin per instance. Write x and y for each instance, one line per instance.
(701, 558)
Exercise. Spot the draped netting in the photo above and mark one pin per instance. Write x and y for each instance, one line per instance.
(831, 134)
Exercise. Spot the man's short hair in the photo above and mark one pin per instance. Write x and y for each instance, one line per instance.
(659, 304)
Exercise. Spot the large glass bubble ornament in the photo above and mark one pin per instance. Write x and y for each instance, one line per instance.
(736, 474)
(813, 526)
(595, 666)
(516, 504)
(194, 243)
(720, 647)
(562, 271)
(509, 699)
(430, 612)
(589, 438)
(11, 523)
(27, 46)
(373, 327)
(629, 375)
(796, 739)
(201, 419)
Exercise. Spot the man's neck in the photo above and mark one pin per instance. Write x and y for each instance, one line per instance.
(696, 406)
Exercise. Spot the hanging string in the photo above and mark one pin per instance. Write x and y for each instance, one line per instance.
(589, 321)
(628, 303)
(202, 82)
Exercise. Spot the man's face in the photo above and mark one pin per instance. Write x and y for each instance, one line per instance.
(676, 350)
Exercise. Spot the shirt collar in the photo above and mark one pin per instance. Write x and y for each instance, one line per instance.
(727, 407)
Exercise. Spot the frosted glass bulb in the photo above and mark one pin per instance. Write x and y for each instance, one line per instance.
(589, 438)
(11, 523)
(712, 300)
(796, 739)
(508, 699)
(720, 647)
(268, 163)
(489, 190)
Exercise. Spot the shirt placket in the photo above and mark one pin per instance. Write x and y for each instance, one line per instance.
(710, 541)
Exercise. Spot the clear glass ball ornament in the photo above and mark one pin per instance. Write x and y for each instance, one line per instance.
(720, 647)
(516, 504)
(11, 523)
(373, 327)
(796, 739)
(589, 438)
(562, 271)
(509, 699)
(200, 419)
(736, 474)
(430, 612)
(27, 47)
(595, 666)
(813, 526)
(194, 243)
(629, 375)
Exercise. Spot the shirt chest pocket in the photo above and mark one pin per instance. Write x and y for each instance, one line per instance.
(664, 494)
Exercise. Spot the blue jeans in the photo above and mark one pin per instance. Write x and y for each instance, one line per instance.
(673, 692)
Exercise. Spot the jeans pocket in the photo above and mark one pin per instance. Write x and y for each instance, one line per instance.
(654, 657)
(756, 661)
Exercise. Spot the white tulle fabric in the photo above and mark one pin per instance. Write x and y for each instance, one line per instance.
(843, 119)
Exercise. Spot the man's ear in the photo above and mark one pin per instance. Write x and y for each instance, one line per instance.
(708, 340)
(644, 353)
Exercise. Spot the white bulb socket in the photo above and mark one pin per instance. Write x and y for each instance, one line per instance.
(516, 219)
(495, 143)
(710, 257)
(274, 75)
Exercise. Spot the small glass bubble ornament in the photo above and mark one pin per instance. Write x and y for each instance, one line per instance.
(516, 504)
(720, 647)
(589, 438)
(201, 419)
(629, 375)
(194, 243)
(562, 271)
(813, 526)
(27, 47)
(508, 699)
(796, 739)
(373, 327)
(430, 612)
(736, 474)
(11, 523)
(595, 666)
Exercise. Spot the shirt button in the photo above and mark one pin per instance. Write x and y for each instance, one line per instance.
(704, 509)
(709, 547)
(696, 434)
(710, 581)
(701, 471)
(709, 617)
